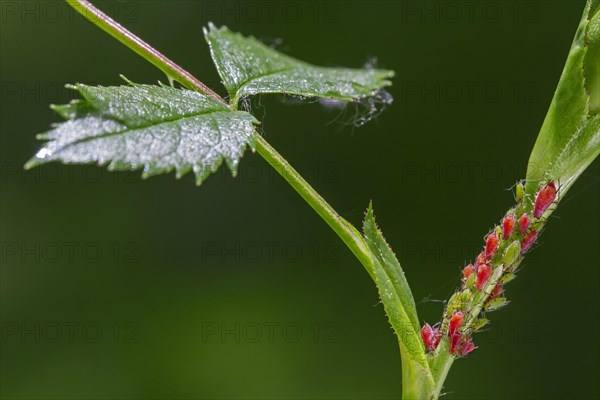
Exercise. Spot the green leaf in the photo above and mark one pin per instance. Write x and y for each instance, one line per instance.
(569, 139)
(157, 128)
(391, 269)
(583, 148)
(249, 67)
(400, 307)
(592, 59)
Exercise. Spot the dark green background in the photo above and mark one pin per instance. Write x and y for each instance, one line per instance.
(438, 164)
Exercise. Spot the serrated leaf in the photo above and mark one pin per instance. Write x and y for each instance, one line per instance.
(582, 148)
(397, 300)
(248, 67)
(569, 138)
(392, 270)
(157, 128)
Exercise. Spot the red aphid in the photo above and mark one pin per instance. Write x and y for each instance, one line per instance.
(484, 272)
(428, 336)
(437, 337)
(524, 223)
(431, 336)
(455, 342)
(508, 224)
(455, 322)
(480, 259)
(466, 347)
(544, 199)
(491, 245)
(467, 271)
(496, 291)
(528, 241)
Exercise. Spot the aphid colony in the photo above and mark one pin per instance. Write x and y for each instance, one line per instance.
(483, 282)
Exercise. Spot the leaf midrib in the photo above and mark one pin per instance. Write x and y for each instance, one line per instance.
(257, 77)
(130, 130)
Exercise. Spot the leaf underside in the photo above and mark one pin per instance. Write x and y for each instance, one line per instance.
(248, 67)
(569, 139)
(157, 128)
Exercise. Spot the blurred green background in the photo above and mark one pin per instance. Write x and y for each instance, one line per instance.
(113, 287)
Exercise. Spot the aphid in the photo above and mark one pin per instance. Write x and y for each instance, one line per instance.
(483, 274)
(491, 245)
(480, 323)
(431, 336)
(496, 291)
(544, 199)
(524, 223)
(498, 231)
(519, 192)
(466, 297)
(507, 277)
(528, 241)
(454, 304)
(455, 323)
(508, 224)
(480, 259)
(460, 345)
(455, 342)
(467, 271)
(466, 347)
(495, 304)
(511, 254)
(471, 281)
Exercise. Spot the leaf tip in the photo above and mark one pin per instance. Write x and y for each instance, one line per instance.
(370, 209)
(209, 29)
(32, 163)
(369, 216)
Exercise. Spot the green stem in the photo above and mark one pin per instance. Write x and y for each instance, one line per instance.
(116, 30)
(440, 365)
(351, 237)
(441, 375)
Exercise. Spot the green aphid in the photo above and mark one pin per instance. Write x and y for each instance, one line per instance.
(495, 304)
(519, 192)
(454, 304)
(507, 277)
(498, 231)
(445, 323)
(480, 323)
(466, 297)
(471, 281)
(511, 254)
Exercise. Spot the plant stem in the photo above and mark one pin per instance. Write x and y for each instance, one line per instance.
(351, 237)
(440, 378)
(116, 30)
(440, 365)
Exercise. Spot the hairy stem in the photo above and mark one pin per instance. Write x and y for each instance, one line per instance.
(116, 30)
(440, 365)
